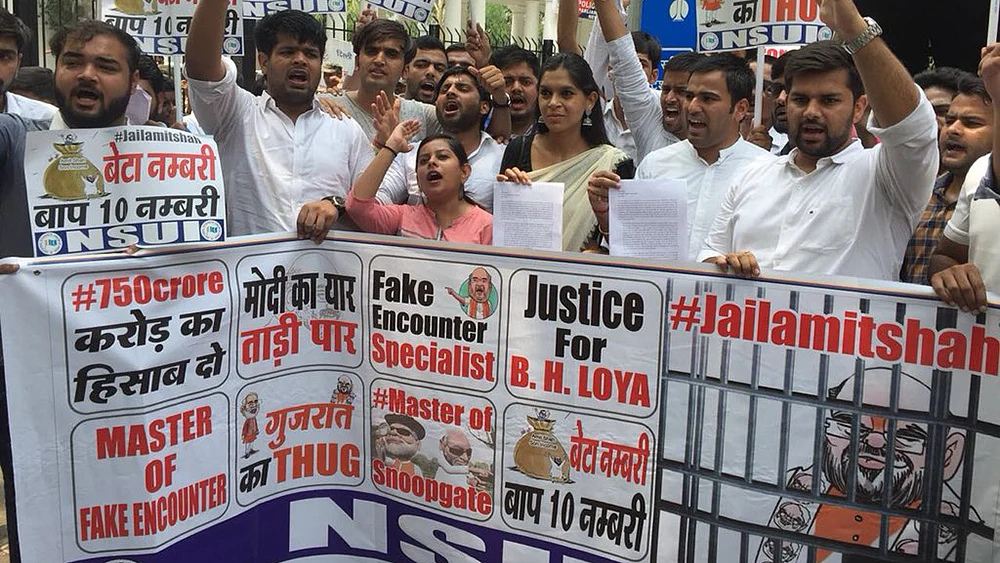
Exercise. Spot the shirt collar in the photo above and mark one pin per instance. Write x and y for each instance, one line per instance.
(270, 104)
(484, 138)
(723, 153)
(841, 157)
(941, 184)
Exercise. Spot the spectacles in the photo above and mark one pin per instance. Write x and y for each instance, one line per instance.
(401, 430)
(905, 442)
(456, 451)
(773, 89)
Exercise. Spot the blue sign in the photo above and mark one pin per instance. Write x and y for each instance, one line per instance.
(674, 23)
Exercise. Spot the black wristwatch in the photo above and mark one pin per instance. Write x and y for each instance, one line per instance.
(337, 202)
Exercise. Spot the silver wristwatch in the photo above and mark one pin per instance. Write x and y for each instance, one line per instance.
(873, 31)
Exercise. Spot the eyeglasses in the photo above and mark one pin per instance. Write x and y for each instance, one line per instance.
(773, 89)
(906, 442)
(456, 451)
(400, 430)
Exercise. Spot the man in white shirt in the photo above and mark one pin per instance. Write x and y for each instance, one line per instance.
(720, 88)
(647, 50)
(14, 35)
(425, 62)
(95, 73)
(966, 263)
(831, 206)
(287, 165)
(462, 104)
(655, 121)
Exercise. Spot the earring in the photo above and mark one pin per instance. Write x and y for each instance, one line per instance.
(586, 118)
(541, 119)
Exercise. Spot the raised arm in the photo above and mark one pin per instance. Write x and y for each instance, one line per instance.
(888, 85)
(203, 54)
(566, 24)
(610, 19)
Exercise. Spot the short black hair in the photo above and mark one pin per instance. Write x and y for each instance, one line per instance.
(85, 30)
(484, 96)
(425, 42)
(778, 68)
(454, 144)
(300, 25)
(12, 26)
(380, 30)
(508, 56)
(971, 85)
(683, 62)
(455, 47)
(822, 57)
(149, 70)
(770, 60)
(37, 80)
(944, 77)
(646, 43)
(739, 78)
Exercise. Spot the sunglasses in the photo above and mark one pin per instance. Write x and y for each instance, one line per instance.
(401, 430)
(456, 451)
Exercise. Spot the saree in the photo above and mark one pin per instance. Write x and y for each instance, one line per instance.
(578, 217)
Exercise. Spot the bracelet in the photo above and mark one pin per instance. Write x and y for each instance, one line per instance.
(388, 148)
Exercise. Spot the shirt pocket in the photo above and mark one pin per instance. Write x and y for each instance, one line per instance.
(827, 224)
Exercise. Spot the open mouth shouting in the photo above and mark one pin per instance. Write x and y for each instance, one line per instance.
(298, 78)
(85, 98)
(452, 107)
(812, 132)
(697, 125)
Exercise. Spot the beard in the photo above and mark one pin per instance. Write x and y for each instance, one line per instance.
(830, 143)
(464, 121)
(401, 451)
(111, 111)
(907, 483)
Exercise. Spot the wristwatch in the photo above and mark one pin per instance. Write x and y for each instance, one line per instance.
(337, 202)
(859, 42)
(506, 103)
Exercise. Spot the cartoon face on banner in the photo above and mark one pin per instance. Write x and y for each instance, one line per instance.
(435, 321)
(296, 439)
(433, 448)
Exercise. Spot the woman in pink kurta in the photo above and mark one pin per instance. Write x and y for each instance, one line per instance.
(445, 214)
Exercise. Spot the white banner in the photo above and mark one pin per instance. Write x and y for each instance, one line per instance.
(726, 25)
(92, 190)
(161, 26)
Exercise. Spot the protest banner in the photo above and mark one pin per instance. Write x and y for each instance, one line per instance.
(727, 25)
(380, 399)
(257, 9)
(91, 190)
(161, 26)
(416, 10)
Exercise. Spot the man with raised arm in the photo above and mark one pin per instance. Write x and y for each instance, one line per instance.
(287, 165)
(832, 206)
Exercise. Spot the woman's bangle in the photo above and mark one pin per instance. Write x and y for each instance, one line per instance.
(390, 149)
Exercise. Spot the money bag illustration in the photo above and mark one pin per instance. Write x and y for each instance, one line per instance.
(70, 175)
(539, 454)
(136, 7)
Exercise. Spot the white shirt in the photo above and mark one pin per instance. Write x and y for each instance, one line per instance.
(778, 140)
(400, 182)
(640, 103)
(619, 135)
(706, 183)
(957, 228)
(853, 215)
(271, 165)
(28, 108)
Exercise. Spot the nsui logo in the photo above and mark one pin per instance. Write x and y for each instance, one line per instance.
(211, 230)
(231, 45)
(709, 41)
(679, 10)
(49, 244)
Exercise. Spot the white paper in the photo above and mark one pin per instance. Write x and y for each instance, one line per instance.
(528, 216)
(648, 219)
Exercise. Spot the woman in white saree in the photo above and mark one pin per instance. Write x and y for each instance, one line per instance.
(568, 145)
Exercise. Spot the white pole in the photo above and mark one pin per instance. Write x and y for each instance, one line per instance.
(178, 100)
(991, 31)
(758, 95)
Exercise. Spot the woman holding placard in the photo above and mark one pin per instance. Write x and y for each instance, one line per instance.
(568, 145)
